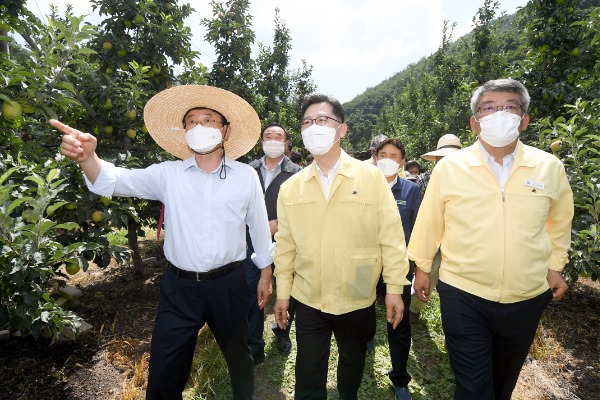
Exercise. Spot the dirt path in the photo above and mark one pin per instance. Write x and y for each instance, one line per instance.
(566, 362)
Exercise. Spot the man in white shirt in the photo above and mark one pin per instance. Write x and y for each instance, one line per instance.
(209, 199)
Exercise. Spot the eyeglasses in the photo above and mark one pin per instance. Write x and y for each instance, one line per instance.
(489, 109)
(320, 120)
(207, 122)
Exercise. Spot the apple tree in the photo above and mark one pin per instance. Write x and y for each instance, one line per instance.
(45, 218)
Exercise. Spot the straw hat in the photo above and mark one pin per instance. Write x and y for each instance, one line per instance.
(164, 112)
(447, 144)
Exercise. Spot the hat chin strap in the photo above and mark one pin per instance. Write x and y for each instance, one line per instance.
(203, 153)
(223, 171)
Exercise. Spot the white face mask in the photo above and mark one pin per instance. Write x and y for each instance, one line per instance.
(318, 139)
(273, 148)
(388, 166)
(203, 139)
(500, 129)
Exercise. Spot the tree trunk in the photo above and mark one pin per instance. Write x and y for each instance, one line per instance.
(4, 43)
(132, 241)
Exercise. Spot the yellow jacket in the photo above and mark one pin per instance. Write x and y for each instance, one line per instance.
(329, 255)
(496, 244)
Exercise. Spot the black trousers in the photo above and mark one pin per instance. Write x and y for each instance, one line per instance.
(184, 307)
(487, 341)
(399, 344)
(313, 336)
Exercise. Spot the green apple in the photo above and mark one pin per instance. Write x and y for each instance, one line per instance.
(70, 206)
(72, 267)
(131, 114)
(97, 216)
(139, 19)
(107, 45)
(131, 133)
(108, 129)
(556, 145)
(11, 110)
(105, 201)
(144, 129)
(575, 52)
(122, 53)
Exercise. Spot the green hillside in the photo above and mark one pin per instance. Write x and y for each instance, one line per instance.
(438, 87)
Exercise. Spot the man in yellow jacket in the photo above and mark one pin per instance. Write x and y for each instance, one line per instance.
(502, 213)
(339, 229)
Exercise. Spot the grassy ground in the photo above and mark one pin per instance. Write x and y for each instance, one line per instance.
(563, 363)
(428, 364)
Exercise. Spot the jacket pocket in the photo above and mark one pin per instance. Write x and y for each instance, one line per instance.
(364, 269)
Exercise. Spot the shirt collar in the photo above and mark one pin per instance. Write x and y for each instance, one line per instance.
(191, 163)
(333, 171)
(489, 158)
(263, 165)
(392, 183)
(344, 166)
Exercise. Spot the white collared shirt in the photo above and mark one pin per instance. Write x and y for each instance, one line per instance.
(205, 216)
(501, 172)
(267, 174)
(327, 181)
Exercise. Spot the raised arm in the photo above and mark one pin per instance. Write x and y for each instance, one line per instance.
(79, 147)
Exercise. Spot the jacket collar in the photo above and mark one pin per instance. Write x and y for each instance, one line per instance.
(522, 156)
(288, 166)
(347, 167)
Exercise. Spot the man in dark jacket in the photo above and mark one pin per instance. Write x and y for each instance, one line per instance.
(273, 169)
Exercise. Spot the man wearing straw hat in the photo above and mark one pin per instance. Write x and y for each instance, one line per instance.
(447, 144)
(209, 199)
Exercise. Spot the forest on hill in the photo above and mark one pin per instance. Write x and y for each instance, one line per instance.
(547, 45)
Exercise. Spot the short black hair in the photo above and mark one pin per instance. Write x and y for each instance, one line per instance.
(315, 98)
(287, 135)
(411, 164)
(295, 157)
(392, 141)
(225, 122)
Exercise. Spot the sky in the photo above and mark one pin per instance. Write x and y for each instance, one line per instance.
(351, 44)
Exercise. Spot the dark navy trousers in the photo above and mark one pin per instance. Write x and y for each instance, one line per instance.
(256, 316)
(313, 337)
(487, 341)
(185, 306)
(399, 344)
